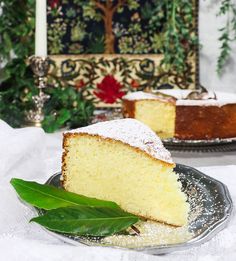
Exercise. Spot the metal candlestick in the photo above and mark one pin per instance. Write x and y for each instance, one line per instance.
(40, 67)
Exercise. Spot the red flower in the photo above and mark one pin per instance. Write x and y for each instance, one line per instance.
(79, 84)
(109, 90)
(53, 3)
(135, 84)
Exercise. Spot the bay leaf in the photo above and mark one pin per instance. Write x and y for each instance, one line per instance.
(86, 221)
(49, 197)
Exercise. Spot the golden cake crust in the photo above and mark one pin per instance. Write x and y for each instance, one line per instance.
(205, 122)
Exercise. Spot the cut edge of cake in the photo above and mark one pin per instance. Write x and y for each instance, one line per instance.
(156, 112)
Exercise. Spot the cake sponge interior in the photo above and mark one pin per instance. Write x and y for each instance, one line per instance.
(108, 169)
(158, 115)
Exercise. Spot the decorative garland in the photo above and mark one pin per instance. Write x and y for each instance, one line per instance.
(71, 105)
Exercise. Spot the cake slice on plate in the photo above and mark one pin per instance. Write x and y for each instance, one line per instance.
(124, 161)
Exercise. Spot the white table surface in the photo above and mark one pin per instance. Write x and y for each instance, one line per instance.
(40, 157)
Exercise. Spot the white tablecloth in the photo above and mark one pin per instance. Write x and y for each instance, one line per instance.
(33, 155)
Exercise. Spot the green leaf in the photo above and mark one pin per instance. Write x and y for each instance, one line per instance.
(89, 221)
(48, 197)
(64, 115)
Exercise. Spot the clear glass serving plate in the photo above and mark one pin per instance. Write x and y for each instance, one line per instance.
(213, 145)
(211, 208)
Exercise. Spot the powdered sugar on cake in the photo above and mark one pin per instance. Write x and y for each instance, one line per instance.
(132, 132)
(140, 96)
(222, 98)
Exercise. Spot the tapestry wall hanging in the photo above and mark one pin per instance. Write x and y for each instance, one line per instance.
(109, 48)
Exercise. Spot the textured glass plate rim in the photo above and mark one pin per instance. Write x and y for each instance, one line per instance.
(162, 249)
(178, 142)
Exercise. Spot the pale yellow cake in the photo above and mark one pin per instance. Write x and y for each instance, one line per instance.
(124, 161)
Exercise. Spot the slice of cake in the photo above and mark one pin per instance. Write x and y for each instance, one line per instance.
(176, 116)
(124, 161)
(156, 112)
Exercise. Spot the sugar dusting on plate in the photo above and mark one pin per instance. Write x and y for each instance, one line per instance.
(151, 234)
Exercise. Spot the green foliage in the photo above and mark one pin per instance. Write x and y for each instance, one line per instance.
(16, 26)
(179, 38)
(228, 33)
(87, 221)
(68, 107)
(72, 213)
(48, 197)
(132, 4)
(89, 11)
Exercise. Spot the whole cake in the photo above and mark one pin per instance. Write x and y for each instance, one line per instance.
(124, 161)
(170, 114)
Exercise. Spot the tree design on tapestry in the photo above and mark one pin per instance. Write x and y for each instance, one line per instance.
(106, 26)
(123, 31)
(108, 10)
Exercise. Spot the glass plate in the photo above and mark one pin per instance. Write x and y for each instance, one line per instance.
(217, 141)
(214, 145)
(211, 208)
